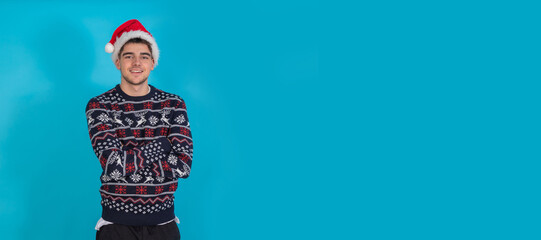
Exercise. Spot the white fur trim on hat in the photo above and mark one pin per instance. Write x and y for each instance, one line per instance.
(125, 37)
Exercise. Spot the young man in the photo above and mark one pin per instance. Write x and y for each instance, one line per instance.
(142, 139)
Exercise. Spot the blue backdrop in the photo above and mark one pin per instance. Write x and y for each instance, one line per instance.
(310, 119)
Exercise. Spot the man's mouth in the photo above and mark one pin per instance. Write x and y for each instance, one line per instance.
(136, 71)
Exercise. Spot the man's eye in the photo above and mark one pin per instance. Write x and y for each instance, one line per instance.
(145, 58)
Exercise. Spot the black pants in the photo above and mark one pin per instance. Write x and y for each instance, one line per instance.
(123, 232)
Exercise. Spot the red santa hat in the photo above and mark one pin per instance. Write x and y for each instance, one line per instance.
(128, 30)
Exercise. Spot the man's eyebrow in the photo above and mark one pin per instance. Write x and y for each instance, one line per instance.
(126, 53)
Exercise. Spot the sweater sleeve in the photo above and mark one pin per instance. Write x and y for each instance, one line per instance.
(179, 162)
(118, 161)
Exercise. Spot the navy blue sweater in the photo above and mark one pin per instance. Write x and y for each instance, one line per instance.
(144, 145)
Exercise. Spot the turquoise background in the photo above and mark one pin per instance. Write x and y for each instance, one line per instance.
(311, 119)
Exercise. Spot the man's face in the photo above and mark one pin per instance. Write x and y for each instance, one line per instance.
(135, 63)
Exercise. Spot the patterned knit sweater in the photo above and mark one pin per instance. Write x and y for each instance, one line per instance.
(144, 145)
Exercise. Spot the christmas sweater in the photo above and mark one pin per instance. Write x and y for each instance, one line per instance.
(144, 146)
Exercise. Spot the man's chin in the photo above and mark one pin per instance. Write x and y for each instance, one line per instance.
(131, 82)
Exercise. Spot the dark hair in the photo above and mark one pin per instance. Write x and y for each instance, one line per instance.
(136, 40)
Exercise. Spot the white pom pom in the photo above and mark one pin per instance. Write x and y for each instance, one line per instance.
(109, 48)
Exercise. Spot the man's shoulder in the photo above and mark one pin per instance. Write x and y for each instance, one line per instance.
(163, 95)
(100, 101)
(108, 96)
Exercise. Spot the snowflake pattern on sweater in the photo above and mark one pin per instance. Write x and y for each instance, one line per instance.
(144, 145)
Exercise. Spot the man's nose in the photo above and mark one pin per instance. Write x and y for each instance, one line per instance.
(137, 61)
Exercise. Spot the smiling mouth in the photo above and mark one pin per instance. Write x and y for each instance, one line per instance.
(136, 71)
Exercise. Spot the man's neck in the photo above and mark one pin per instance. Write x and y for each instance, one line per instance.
(135, 90)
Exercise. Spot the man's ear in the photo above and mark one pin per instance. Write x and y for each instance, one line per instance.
(117, 64)
(153, 63)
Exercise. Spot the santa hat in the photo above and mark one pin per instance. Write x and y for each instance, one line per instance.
(128, 30)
